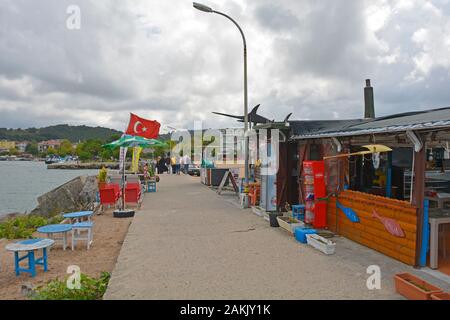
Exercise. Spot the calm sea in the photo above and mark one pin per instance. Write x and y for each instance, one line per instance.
(21, 182)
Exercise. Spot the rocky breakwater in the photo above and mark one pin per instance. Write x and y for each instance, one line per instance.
(84, 165)
(75, 195)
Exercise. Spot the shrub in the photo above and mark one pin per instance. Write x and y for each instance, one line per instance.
(22, 227)
(91, 289)
(102, 174)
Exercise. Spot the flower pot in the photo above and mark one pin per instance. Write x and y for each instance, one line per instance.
(273, 219)
(101, 185)
(258, 211)
(440, 296)
(320, 243)
(289, 224)
(414, 288)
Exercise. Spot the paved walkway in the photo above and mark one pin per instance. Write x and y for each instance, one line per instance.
(187, 242)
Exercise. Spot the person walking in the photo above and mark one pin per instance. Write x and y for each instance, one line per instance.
(161, 165)
(186, 163)
(168, 165)
(177, 164)
(182, 164)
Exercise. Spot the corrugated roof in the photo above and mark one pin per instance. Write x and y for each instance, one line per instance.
(417, 120)
(307, 127)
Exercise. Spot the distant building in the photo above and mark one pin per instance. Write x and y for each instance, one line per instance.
(21, 146)
(5, 145)
(43, 146)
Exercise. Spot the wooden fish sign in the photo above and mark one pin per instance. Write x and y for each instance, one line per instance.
(391, 225)
(349, 213)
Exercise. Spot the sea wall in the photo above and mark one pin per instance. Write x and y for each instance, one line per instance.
(74, 195)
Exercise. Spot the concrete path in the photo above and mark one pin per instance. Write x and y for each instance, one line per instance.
(187, 242)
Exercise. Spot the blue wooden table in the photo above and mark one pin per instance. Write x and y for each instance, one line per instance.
(30, 246)
(78, 216)
(52, 229)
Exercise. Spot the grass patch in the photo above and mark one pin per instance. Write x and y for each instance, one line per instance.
(91, 289)
(22, 227)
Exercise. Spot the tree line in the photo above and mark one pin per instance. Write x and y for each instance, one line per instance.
(91, 149)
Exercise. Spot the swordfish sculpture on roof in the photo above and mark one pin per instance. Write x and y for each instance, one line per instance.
(253, 117)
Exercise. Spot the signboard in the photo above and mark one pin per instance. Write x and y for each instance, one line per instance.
(122, 157)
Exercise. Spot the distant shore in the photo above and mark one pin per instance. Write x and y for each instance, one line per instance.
(83, 165)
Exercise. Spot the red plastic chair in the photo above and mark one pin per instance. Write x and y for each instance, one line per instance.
(133, 193)
(116, 187)
(109, 194)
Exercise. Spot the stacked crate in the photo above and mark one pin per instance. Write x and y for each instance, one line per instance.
(315, 193)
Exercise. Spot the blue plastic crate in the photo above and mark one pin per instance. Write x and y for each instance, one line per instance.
(300, 234)
(298, 212)
(151, 186)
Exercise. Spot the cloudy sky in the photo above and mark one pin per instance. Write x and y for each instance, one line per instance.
(165, 60)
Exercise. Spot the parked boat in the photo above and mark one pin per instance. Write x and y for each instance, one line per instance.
(52, 159)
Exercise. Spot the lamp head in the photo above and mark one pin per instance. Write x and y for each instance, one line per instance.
(201, 7)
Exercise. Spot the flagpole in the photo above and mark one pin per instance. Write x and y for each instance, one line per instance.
(123, 168)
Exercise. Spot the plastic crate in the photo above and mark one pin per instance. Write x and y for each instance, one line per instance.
(300, 234)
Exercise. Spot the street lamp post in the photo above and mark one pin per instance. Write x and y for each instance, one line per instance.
(207, 9)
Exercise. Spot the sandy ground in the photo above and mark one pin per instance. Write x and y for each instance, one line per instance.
(190, 243)
(109, 234)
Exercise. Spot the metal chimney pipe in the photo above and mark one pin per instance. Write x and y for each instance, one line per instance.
(369, 104)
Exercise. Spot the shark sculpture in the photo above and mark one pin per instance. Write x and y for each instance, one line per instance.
(253, 117)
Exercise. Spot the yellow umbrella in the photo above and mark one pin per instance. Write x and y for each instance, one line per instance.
(371, 148)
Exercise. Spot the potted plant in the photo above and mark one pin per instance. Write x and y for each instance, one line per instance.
(153, 176)
(289, 224)
(273, 219)
(101, 177)
(413, 287)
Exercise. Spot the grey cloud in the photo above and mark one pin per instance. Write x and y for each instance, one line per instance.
(164, 59)
(275, 17)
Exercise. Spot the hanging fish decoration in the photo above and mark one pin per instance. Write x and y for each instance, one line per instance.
(376, 160)
(391, 225)
(351, 215)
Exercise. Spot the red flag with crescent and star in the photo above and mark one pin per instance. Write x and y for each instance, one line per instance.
(142, 127)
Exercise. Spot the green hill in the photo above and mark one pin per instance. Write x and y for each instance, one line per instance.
(61, 131)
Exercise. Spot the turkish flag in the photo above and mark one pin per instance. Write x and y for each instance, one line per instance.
(142, 127)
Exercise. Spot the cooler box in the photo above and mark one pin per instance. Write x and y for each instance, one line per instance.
(300, 234)
(320, 214)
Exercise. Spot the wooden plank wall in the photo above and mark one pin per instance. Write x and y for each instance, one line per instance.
(371, 232)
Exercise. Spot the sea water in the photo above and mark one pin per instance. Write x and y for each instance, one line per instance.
(22, 182)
